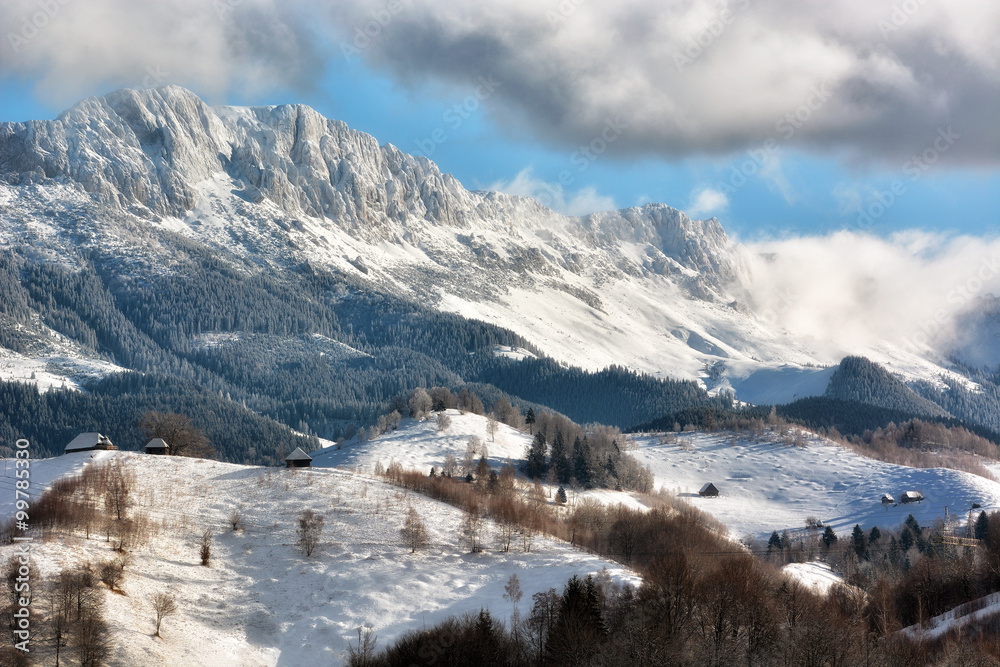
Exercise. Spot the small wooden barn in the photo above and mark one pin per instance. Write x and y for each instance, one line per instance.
(709, 491)
(887, 499)
(911, 497)
(86, 442)
(298, 459)
(157, 446)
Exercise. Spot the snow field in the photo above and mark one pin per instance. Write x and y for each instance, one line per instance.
(764, 486)
(767, 486)
(261, 602)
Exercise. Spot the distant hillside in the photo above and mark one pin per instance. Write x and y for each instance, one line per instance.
(862, 381)
(114, 406)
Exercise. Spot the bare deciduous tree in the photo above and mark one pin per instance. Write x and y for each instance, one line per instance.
(492, 425)
(236, 519)
(310, 531)
(93, 638)
(163, 605)
(443, 422)
(450, 466)
(420, 403)
(472, 526)
(120, 490)
(414, 532)
(363, 654)
(112, 572)
(183, 437)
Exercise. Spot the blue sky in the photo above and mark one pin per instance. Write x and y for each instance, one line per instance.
(818, 180)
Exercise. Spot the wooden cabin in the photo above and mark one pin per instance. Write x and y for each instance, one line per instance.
(298, 459)
(86, 442)
(709, 491)
(158, 446)
(911, 497)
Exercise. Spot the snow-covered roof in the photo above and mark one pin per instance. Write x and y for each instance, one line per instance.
(298, 455)
(86, 441)
(157, 443)
(708, 487)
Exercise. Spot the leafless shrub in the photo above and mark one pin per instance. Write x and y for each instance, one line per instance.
(236, 519)
(362, 654)
(206, 547)
(310, 531)
(413, 532)
(112, 572)
(443, 422)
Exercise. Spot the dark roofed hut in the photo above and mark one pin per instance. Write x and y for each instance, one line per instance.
(298, 459)
(157, 446)
(911, 497)
(86, 442)
(709, 491)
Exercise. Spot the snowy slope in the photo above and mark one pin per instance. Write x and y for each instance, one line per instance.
(42, 473)
(766, 486)
(815, 574)
(261, 602)
(419, 444)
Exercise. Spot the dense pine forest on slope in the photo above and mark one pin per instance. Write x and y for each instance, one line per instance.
(114, 406)
(313, 350)
(860, 380)
(979, 406)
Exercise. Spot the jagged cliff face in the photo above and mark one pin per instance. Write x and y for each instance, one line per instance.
(150, 151)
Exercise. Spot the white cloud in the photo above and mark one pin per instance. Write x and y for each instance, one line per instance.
(703, 76)
(861, 290)
(681, 77)
(707, 201)
(553, 195)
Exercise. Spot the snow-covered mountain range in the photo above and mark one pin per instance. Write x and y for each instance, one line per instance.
(277, 187)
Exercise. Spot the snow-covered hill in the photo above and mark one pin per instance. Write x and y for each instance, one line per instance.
(764, 486)
(276, 187)
(263, 603)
